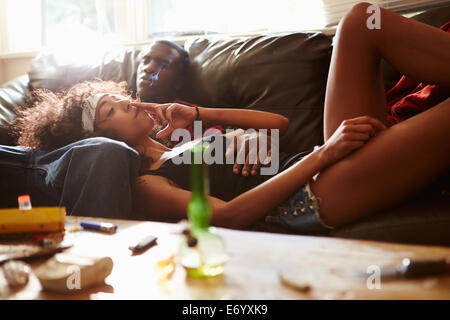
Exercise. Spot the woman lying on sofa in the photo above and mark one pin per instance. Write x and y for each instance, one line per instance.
(364, 167)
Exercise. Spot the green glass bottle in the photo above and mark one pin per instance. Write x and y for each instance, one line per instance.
(199, 208)
(202, 250)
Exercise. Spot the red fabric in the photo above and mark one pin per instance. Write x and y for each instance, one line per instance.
(409, 97)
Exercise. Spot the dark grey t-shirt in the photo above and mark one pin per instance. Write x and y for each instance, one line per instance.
(224, 184)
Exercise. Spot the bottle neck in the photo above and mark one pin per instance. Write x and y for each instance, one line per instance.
(199, 209)
(199, 181)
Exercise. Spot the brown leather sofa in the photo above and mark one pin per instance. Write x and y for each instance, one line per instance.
(285, 74)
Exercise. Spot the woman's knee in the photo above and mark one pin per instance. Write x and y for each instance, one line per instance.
(354, 22)
(111, 154)
(106, 147)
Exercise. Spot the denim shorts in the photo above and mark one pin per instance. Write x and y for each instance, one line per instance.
(300, 213)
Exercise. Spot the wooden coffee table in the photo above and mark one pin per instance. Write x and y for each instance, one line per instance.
(326, 267)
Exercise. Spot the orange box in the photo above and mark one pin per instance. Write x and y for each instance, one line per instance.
(38, 219)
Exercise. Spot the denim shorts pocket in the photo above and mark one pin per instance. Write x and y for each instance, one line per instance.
(300, 213)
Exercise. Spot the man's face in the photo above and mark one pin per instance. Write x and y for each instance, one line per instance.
(159, 75)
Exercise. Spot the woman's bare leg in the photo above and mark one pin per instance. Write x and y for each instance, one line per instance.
(405, 158)
(355, 85)
(391, 167)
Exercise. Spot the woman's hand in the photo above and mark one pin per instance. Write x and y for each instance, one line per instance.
(351, 135)
(174, 114)
(246, 146)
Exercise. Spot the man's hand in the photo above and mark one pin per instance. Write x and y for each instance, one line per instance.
(174, 114)
(247, 159)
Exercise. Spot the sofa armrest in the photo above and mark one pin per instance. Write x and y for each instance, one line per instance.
(12, 96)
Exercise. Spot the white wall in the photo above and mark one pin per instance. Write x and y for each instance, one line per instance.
(1, 73)
(11, 68)
(16, 40)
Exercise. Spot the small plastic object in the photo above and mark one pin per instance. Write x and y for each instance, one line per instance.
(24, 202)
(46, 242)
(16, 273)
(99, 226)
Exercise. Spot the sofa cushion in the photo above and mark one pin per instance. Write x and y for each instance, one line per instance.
(423, 219)
(285, 74)
(417, 222)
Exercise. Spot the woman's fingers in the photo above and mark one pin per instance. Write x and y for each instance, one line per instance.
(168, 114)
(146, 105)
(377, 124)
(356, 136)
(361, 128)
(168, 117)
(351, 135)
(163, 133)
(161, 115)
(158, 109)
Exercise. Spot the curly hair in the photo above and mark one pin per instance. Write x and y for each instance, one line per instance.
(54, 120)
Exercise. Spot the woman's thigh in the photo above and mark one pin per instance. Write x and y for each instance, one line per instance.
(354, 85)
(394, 165)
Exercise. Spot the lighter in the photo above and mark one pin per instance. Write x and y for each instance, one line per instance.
(99, 226)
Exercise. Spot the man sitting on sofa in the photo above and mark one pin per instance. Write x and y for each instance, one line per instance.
(161, 76)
